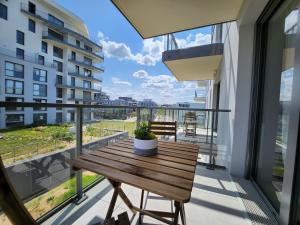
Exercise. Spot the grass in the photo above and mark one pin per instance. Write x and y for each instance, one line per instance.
(49, 200)
(21, 143)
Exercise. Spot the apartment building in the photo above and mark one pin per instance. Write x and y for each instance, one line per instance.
(45, 56)
(252, 66)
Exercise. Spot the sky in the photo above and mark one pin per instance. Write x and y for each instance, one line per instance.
(132, 65)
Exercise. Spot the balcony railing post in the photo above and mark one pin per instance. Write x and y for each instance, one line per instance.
(151, 114)
(138, 117)
(79, 121)
(211, 165)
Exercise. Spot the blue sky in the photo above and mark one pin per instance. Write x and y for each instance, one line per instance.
(132, 65)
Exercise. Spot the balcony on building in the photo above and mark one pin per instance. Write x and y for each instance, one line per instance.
(61, 27)
(85, 64)
(194, 63)
(62, 84)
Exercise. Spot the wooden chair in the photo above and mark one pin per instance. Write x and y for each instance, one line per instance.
(163, 128)
(10, 202)
(159, 128)
(190, 123)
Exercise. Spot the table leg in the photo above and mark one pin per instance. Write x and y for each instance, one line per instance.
(177, 208)
(141, 207)
(182, 214)
(113, 201)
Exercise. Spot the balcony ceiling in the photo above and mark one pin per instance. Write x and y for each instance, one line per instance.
(159, 17)
(195, 63)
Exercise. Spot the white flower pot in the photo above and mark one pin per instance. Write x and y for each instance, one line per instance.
(145, 147)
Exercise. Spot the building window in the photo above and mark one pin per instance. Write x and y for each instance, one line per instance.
(44, 47)
(88, 60)
(73, 55)
(39, 75)
(58, 52)
(59, 79)
(13, 120)
(40, 118)
(20, 37)
(78, 43)
(58, 117)
(87, 84)
(41, 60)
(40, 90)
(31, 25)
(77, 69)
(14, 108)
(20, 53)
(14, 87)
(55, 35)
(58, 102)
(59, 93)
(39, 108)
(3, 11)
(58, 65)
(73, 81)
(31, 7)
(72, 93)
(86, 47)
(87, 95)
(14, 70)
(72, 116)
(87, 73)
(55, 20)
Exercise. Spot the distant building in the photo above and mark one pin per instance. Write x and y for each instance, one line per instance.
(147, 103)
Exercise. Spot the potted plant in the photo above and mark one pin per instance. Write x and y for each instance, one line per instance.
(145, 142)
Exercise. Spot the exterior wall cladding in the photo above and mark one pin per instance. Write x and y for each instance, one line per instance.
(73, 30)
(235, 76)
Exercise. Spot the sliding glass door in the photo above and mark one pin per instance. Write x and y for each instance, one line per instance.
(278, 107)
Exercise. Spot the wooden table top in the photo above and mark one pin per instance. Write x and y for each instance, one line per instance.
(170, 173)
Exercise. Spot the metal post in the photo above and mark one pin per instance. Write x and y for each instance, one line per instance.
(211, 165)
(151, 114)
(79, 194)
(173, 114)
(207, 125)
(138, 117)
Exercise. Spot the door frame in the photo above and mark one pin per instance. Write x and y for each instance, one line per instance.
(287, 208)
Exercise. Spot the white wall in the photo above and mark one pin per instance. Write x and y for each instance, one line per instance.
(235, 74)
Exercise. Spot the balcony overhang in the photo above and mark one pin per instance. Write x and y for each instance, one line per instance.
(195, 63)
(156, 17)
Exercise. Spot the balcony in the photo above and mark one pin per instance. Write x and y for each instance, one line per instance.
(156, 18)
(60, 84)
(86, 65)
(43, 17)
(91, 78)
(63, 43)
(31, 58)
(217, 198)
(193, 63)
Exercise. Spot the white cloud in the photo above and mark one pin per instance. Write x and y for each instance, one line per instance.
(149, 55)
(116, 80)
(194, 40)
(152, 49)
(140, 74)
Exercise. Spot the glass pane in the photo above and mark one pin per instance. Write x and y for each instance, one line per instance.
(277, 101)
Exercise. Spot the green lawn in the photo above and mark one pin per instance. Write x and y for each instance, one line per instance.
(21, 143)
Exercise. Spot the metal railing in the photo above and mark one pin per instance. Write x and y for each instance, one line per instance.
(67, 28)
(81, 142)
(46, 35)
(33, 58)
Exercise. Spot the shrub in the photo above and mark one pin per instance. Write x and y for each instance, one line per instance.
(143, 132)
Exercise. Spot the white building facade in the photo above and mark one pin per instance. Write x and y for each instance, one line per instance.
(45, 56)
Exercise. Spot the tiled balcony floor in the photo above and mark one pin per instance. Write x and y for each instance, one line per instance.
(214, 201)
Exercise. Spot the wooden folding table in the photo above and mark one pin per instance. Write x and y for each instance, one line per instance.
(170, 174)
